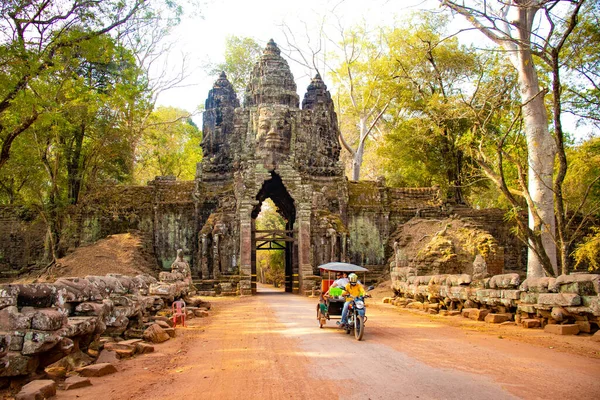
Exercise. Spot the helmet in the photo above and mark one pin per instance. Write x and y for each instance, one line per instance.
(353, 278)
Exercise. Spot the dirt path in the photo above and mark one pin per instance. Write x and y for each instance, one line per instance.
(269, 347)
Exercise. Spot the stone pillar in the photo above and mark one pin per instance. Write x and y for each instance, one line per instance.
(304, 259)
(245, 249)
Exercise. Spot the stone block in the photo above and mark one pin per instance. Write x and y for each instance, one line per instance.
(528, 297)
(580, 283)
(163, 318)
(537, 285)
(530, 323)
(593, 303)
(170, 332)
(387, 300)
(596, 337)
(75, 360)
(526, 308)
(18, 364)
(465, 312)
(131, 342)
(48, 320)
(584, 326)
(496, 318)
(36, 342)
(453, 313)
(56, 373)
(155, 334)
(478, 314)
(125, 353)
(120, 346)
(163, 324)
(510, 294)
(76, 382)
(564, 329)
(11, 319)
(37, 390)
(144, 348)
(559, 299)
(505, 281)
(97, 370)
(415, 305)
(80, 326)
(107, 356)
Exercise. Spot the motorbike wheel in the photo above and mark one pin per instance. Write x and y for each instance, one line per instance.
(359, 327)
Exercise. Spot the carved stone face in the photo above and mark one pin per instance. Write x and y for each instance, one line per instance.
(274, 130)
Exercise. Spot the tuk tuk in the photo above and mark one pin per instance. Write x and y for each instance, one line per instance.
(331, 304)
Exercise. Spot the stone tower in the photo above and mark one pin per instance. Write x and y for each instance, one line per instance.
(269, 148)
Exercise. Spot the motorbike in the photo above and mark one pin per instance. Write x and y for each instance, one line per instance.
(356, 316)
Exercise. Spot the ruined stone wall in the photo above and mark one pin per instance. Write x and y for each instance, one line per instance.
(174, 220)
(111, 210)
(569, 302)
(42, 323)
(22, 237)
(163, 212)
(375, 211)
(493, 221)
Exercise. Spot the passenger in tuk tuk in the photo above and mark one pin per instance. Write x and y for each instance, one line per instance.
(339, 284)
(355, 289)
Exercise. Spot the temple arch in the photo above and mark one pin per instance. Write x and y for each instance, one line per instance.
(274, 189)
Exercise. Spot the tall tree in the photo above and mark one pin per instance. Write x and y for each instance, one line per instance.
(241, 53)
(512, 25)
(33, 37)
(170, 145)
(364, 88)
(433, 74)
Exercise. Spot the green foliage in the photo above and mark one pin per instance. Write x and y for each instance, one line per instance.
(583, 174)
(588, 252)
(435, 75)
(241, 53)
(364, 89)
(270, 263)
(581, 92)
(169, 146)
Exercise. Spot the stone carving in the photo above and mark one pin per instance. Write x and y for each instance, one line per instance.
(217, 127)
(181, 266)
(268, 147)
(273, 134)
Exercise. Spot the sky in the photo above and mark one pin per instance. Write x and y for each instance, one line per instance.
(201, 39)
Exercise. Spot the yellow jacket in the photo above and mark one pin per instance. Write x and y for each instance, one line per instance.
(354, 291)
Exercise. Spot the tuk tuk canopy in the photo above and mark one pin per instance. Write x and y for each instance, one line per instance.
(342, 267)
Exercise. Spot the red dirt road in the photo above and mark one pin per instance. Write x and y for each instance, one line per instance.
(270, 347)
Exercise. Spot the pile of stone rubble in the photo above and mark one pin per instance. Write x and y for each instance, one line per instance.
(568, 304)
(50, 329)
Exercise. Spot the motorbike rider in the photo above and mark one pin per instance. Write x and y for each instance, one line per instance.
(354, 289)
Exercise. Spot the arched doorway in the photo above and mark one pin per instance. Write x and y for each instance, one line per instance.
(282, 240)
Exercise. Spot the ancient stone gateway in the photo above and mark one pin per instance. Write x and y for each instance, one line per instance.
(269, 148)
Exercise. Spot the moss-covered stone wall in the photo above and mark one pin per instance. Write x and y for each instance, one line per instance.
(22, 237)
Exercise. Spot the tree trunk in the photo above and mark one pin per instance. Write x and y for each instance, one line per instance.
(74, 166)
(357, 159)
(541, 150)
